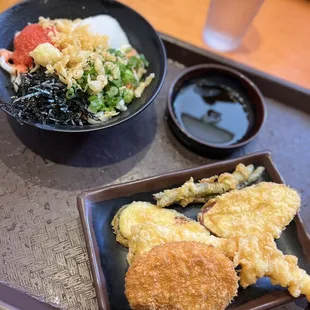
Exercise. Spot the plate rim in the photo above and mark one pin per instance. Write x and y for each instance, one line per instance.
(264, 302)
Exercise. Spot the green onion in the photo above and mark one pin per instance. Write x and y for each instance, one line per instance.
(82, 83)
(112, 92)
(92, 98)
(119, 54)
(112, 102)
(70, 93)
(122, 90)
(105, 109)
(91, 71)
(128, 77)
(116, 52)
(95, 104)
(128, 95)
(117, 83)
(121, 66)
(89, 91)
(112, 50)
(145, 62)
(133, 62)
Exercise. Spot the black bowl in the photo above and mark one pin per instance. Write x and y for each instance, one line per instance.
(230, 78)
(140, 33)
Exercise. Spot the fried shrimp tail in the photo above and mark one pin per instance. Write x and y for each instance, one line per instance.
(191, 192)
(258, 256)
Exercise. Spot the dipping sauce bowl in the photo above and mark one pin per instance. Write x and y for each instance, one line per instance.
(214, 110)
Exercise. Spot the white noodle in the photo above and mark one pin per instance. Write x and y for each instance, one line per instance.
(7, 67)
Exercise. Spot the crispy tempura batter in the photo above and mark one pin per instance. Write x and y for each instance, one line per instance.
(146, 236)
(181, 276)
(265, 207)
(140, 212)
(201, 192)
(258, 256)
(77, 47)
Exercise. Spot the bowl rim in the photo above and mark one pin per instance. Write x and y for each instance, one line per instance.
(237, 75)
(91, 127)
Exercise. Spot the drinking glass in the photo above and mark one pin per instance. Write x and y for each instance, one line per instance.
(228, 22)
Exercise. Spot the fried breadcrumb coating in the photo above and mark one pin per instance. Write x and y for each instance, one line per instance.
(183, 276)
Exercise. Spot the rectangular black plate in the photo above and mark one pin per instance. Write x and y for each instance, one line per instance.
(108, 258)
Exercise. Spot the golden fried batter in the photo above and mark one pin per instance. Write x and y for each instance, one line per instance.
(139, 212)
(265, 207)
(146, 236)
(181, 275)
(201, 192)
(258, 257)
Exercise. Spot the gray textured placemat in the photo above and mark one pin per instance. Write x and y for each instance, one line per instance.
(42, 247)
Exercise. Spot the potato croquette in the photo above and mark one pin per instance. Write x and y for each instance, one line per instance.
(182, 275)
(261, 208)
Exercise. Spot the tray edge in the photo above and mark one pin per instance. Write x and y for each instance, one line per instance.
(287, 92)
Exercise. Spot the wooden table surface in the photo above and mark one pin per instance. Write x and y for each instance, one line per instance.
(277, 42)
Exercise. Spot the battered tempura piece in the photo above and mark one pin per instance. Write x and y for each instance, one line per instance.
(146, 236)
(265, 207)
(201, 192)
(181, 276)
(138, 213)
(258, 256)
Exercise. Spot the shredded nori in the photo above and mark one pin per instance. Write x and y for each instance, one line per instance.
(41, 98)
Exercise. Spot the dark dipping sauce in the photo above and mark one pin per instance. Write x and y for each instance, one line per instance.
(213, 112)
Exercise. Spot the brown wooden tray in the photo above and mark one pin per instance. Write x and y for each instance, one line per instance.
(108, 258)
(271, 86)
